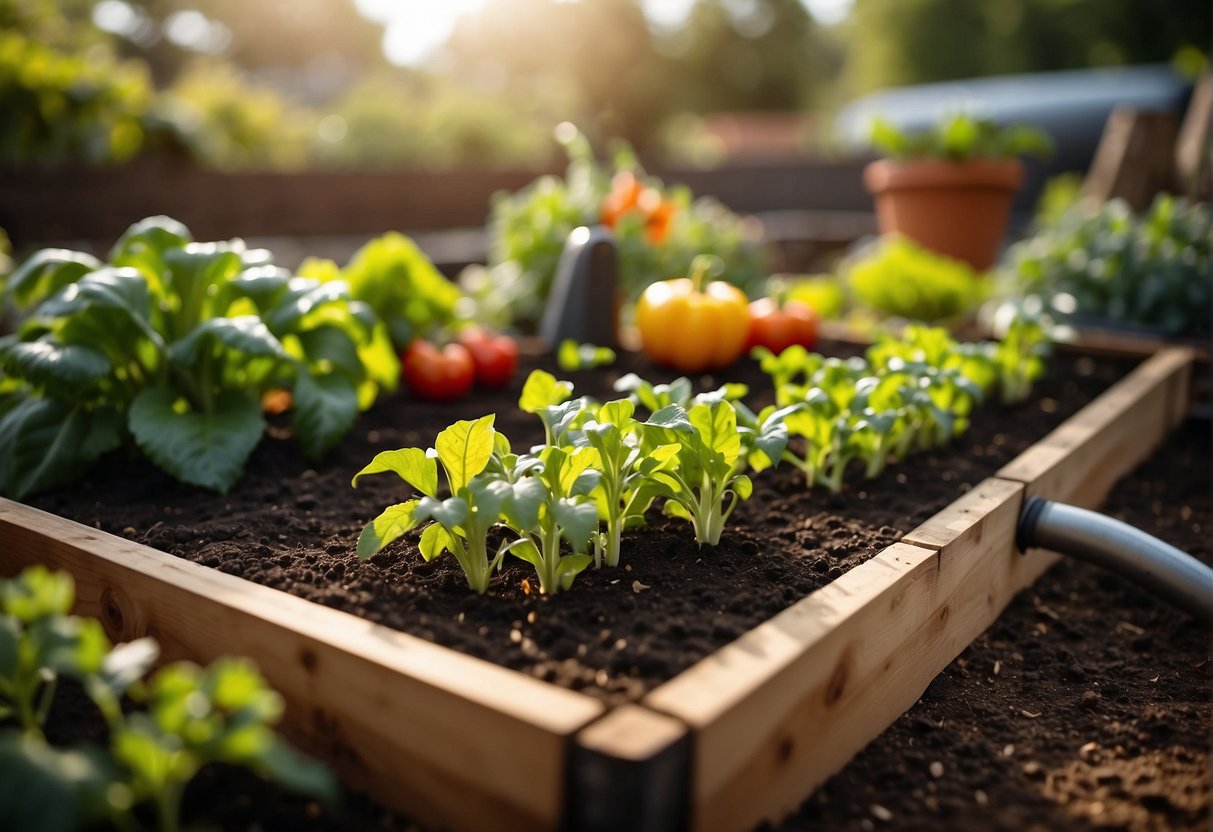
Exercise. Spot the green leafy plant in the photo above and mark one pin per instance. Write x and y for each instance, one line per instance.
(528, 230)
(184, 717)
(552, 505)
(1107, 266)
(59, 107)
(461, 521)
(959, 138)
(571, 356)
(174, 344)
(896, 277)
(912, 392)
(194, 716)
(396, 279)
(708, 480)
(625, 472)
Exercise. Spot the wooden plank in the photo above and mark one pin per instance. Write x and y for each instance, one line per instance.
(455, 741)
(1134, 159)
(630, 771)
(1193, 165)
(1082, 459)
(790, 702)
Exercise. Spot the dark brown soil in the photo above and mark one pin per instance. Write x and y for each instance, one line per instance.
(618, 632)
(1085, 706)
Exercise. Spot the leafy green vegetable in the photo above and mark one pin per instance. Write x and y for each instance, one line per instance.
(896, 277)
(572, 356)
(222, 713)
(708, 480)
(913, 392)
(173, 344)
(1151, 272)
(396, 279)
(461, 522)
(958, 138)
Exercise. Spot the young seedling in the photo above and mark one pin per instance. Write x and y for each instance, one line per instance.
(708, 480)
(551, 401)
(461, 521)
(624, 470)
(553, 505)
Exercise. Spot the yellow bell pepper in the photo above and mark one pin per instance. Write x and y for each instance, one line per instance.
(693, 327)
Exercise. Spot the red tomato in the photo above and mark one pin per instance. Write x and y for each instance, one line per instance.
(494, 356)
(437, 375)
(779, 327)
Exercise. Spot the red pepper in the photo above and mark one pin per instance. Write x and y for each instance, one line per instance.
(778, 326)
(437, 375)
(495, 357)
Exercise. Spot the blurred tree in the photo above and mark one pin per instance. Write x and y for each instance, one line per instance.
(751, 55)
(893, 42)
(601, 48)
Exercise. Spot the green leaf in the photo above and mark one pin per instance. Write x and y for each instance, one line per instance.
(244, 333)
(127, 663)
(577, 521)
(672, 417)
(44, 442)
(392, 522)
(10, 638)
(412, 465)
(325, 408)
(47, 271)
(330, 344)
(742, 486)
(47, 363)
(194, 273)
(570, 567)
(524, 549)
(296, 772)
(717, 427)
(521, 510)
(45, 789)
(300, 298)
(572, 356)
(618, 412)
(37, 593)
(451, 512)
(542, 390)
(435, 540)
(122, 290)
(196, 447)
(464, 450)
(156, 234)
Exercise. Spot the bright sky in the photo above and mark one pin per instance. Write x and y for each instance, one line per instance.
(415, 28)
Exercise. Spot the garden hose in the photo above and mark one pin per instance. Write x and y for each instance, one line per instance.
(1158, 567)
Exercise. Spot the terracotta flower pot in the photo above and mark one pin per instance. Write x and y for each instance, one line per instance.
(955, 208)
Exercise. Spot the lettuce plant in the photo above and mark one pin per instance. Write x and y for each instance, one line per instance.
(913, 392)
(174, 344)
(621, 495)
(708, 480)
(461, 521)
(553, 505)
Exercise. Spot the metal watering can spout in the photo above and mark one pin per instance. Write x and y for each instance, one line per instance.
(584, 304)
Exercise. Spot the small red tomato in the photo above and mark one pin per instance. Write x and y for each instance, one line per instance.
(494, 356)
(437, 375)
(778, 327)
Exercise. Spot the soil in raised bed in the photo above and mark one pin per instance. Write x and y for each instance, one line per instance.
(1097, 717)
(618, 633)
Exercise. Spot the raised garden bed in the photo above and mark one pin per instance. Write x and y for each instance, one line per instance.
(764, 718)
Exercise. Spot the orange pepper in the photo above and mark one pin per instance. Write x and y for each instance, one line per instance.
(693, 327)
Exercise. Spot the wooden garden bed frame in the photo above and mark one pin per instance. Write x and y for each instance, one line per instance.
(744, 735)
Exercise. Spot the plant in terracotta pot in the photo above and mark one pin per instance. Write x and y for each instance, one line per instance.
(950, 187)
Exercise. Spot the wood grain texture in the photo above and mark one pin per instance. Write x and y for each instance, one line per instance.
(1082, 459)
(456, 742)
